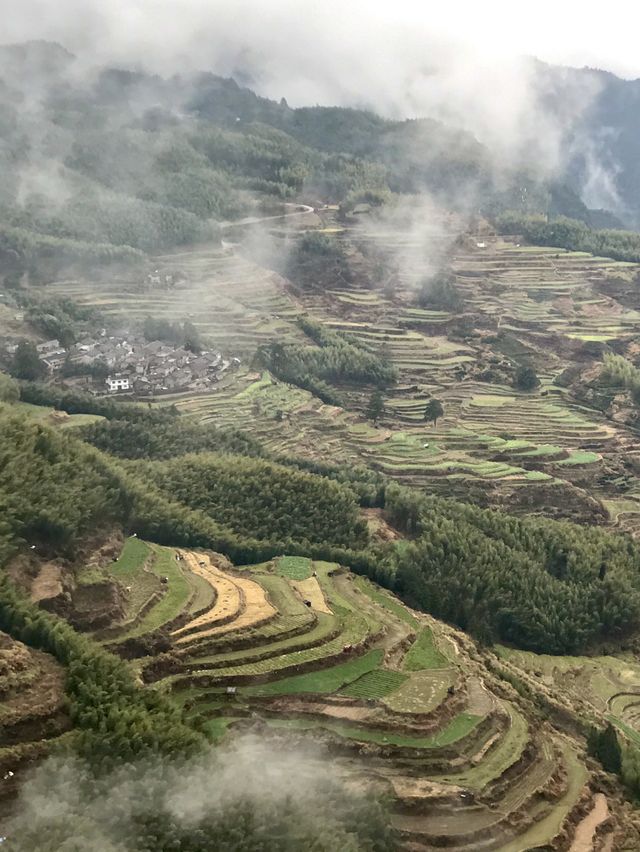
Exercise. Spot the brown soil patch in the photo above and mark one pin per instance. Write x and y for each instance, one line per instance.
(257, 609)
(240, 603)
(586, 829)
(228, 601)
(48, 583)
(378, 525)
(339, 709)
(33, 683)
(310, 590)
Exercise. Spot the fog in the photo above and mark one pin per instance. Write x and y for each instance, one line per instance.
(240, 790)
(467, 64)
(275, 35)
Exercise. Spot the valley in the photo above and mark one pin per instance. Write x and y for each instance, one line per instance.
(548, 447)
(319, 463)
(473, 747)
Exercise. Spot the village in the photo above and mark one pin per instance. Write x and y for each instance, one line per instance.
(127, 363)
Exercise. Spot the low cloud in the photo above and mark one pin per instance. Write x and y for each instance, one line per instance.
(237, 790)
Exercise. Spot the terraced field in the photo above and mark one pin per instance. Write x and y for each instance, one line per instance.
(402, 700)
(602, 688)
(33, 712)
(228, 298)
(541, 448)
(521, 449)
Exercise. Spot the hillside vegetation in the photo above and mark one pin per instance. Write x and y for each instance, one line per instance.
(544, 585)
(118, 180)
(547, 586)
(259, 499)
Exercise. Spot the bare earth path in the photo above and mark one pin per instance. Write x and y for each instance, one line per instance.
(583, 840)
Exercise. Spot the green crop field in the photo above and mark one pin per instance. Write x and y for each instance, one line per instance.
(294, 567)
(326, 680)
(177, 591)
(459, 727)
(424, 654)
(375, 684)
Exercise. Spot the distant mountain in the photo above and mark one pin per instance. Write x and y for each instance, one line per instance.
(602, 144)
(119, 157)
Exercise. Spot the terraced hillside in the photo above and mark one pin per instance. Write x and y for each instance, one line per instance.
(543, 448)
(305, 650)
(228, 297)
(33, 712)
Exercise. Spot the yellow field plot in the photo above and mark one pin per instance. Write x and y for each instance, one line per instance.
(257, 609)
(228, 595)
(309, 590)
(240, 603)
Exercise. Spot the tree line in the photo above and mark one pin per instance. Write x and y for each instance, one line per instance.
(572, 234)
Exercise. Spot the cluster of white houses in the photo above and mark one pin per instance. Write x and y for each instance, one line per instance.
(133, 365)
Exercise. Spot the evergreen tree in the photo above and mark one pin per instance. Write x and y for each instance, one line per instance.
(609, 751)
(375, 408)
(26, 363)
(433, 410)
(525, 378)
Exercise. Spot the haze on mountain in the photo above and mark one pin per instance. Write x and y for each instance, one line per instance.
(470, 67)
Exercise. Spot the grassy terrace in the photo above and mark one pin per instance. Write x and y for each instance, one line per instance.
(424, 654)
(129, 571)
(375, 684)
(359, 691)
(294, 567)
(459, 727)
(175, 594)
(324, 681)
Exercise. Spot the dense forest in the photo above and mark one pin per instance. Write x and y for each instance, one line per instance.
(55, 489)
(259, 499)
(549, 586)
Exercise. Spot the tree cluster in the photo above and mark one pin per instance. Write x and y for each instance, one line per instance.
(548, 586)
(620, 372)
(182, 334)
(263, 500)
(573, 235)
(439, 291)
(166, 439)
(333, 360)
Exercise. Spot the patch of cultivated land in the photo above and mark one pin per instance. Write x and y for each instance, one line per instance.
(304, 649)
(541, 448)
(403, 700)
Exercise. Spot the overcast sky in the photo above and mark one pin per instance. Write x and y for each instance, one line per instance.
(462, 61)
(219, 32)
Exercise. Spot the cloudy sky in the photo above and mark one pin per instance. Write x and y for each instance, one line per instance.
(366, 53)
(280, 36)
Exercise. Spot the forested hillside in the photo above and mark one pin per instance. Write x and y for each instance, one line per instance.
(546, 586)
(542, 585)
(129, 163)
